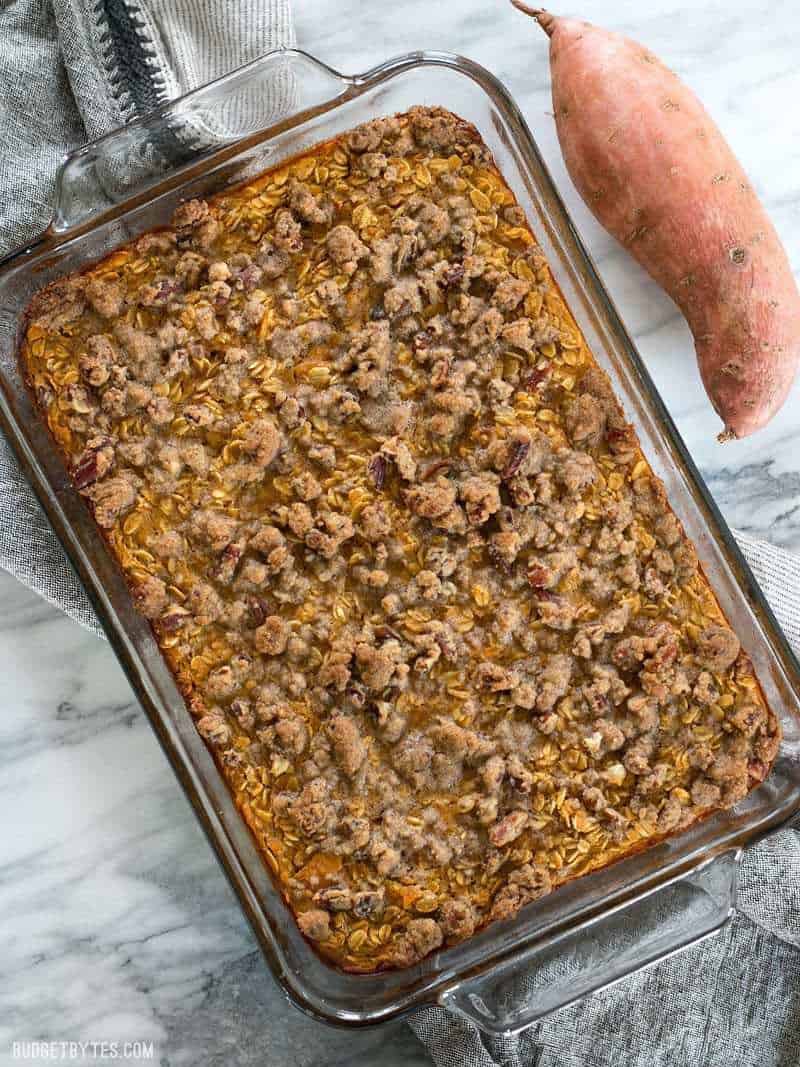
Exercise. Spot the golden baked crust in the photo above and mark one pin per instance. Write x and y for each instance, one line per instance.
(426, 600)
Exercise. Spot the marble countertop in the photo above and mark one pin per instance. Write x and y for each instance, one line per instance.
(115, 920)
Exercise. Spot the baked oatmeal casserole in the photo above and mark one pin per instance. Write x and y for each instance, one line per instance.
(425, 598)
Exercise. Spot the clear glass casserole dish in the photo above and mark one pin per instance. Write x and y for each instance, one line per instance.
(590, 932)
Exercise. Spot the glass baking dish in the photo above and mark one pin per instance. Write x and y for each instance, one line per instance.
(592, 931)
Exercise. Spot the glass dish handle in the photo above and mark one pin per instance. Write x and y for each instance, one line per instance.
(160, 149)
(639, 932)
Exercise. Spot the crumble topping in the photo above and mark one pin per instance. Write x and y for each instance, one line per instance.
(425, 598)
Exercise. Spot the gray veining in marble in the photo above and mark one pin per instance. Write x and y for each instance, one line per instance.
(115, 921)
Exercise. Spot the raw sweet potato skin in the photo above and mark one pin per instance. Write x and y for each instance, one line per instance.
(657, 173)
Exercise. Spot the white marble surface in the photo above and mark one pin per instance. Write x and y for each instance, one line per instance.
(115, 921)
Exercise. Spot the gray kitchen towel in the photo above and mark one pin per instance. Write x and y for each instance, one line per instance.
(73, 69)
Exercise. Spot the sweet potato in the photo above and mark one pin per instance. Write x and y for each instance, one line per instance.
(658, 174)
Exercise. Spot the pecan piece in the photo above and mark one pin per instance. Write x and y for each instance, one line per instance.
(616, 433)
(422, 339)
(174, 618)
(357, 694)
(517, 454)
(95, 462)
(377, 471)
(757, 770)
(225, 567)
(440, 465)
(247, 278)
(158, 294)
(368, 902)
(498, 560)
(454, 276)
(85, 470)
(258, 610)
(537, 579)
(383, 631)
(508, 828)
(536, 377)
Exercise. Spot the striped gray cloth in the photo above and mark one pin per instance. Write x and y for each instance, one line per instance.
(69, 71)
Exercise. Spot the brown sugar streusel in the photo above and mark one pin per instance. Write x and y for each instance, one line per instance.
(425, 598)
